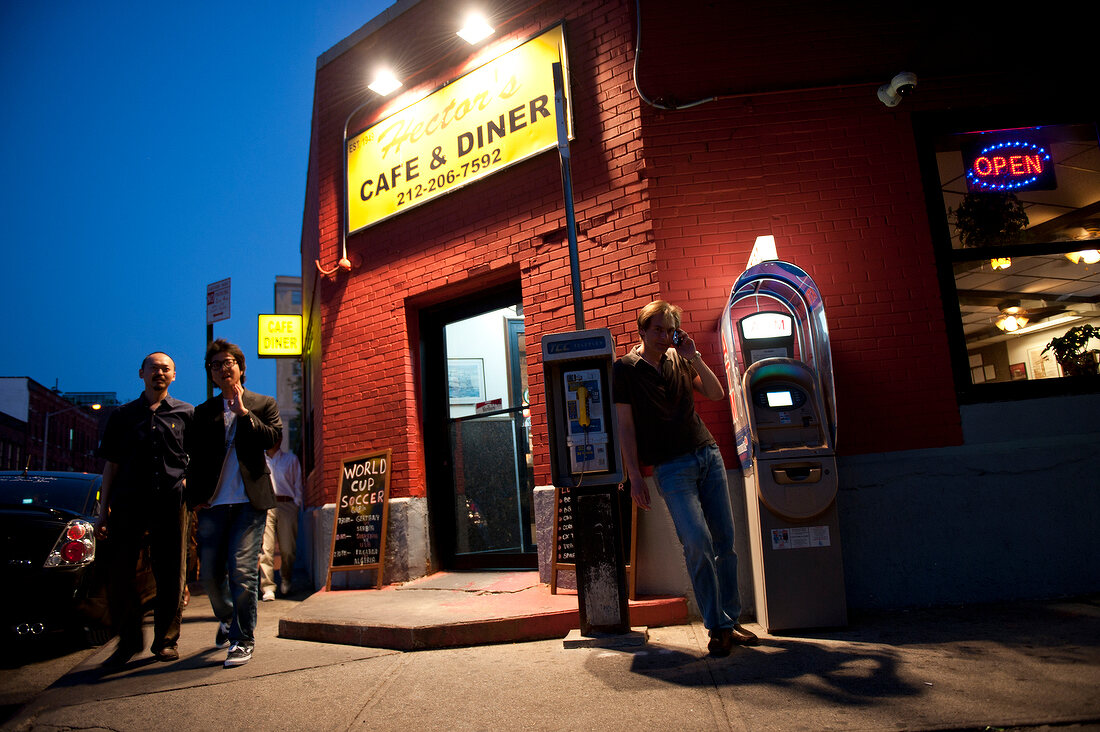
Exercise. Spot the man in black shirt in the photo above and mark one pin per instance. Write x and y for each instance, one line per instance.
(142, 492)
(654, 387)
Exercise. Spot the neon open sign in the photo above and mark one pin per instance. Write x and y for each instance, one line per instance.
(1010, 165)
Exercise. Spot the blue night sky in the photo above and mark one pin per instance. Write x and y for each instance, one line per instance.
(147, 151)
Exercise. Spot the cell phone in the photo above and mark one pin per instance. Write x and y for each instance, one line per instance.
(679, 337)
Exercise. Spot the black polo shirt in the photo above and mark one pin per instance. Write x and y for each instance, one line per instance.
(663, 404)
(147, 445)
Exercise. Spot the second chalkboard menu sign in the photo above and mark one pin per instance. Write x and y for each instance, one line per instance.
(362, 510)
(565, 551)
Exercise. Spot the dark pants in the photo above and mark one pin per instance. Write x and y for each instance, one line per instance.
(126, 535)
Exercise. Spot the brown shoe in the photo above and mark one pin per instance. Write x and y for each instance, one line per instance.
(721, 642)
(167, 654)
(742, 635)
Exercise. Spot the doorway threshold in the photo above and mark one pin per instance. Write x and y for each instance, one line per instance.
(452, 609)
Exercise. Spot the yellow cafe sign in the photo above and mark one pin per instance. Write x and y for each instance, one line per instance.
(280, 336)
(491, 118)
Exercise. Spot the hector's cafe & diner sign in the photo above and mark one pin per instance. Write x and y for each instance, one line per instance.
(494, 116)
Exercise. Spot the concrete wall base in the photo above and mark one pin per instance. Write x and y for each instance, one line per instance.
(408, 549)
(976, 523)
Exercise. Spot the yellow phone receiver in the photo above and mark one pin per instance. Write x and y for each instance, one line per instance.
(582, 407)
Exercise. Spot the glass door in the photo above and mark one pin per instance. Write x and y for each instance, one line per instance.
(482, 490)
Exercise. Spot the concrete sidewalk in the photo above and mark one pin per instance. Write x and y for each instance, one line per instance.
(1016, 665)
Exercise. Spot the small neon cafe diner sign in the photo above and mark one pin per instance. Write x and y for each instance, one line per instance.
(279, 336)
(1009, 164)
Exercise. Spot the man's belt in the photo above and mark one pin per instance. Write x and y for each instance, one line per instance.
(283, 498)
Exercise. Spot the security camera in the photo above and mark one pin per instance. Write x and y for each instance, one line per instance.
(901, 85)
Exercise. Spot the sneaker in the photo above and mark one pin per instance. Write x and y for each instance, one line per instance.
(268, 596)
(239, 654)
(221, 638)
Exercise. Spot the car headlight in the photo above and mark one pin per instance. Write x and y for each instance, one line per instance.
(75, 547)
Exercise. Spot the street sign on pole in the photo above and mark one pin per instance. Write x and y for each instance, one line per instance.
(217, 301)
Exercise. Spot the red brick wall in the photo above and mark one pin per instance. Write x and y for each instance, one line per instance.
(833, 176)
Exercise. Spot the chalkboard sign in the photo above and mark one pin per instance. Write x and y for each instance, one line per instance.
(362, 510)
(565, 556)
(564, 551)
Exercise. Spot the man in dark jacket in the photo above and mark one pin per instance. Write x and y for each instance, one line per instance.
(229, 482)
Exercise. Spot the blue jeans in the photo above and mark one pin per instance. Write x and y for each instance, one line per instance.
(695, 490)
(229, 552)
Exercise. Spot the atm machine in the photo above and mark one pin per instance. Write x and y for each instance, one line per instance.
(775, 342)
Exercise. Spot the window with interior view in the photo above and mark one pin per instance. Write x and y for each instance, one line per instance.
(1023, 209)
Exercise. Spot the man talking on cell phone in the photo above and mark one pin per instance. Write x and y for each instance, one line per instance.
(653, 387)
(230, 483)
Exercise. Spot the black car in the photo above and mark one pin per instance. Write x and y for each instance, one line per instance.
(49, 572)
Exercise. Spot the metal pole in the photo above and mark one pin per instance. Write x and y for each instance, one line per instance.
(209, 340)
(567, 187)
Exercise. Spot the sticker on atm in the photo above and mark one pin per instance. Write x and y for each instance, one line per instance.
(800, 537)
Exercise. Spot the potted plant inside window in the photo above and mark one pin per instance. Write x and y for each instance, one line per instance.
(1072, 352)
(989, 219)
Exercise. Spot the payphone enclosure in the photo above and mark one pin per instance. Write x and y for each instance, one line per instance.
(775, 343)
(586, 467)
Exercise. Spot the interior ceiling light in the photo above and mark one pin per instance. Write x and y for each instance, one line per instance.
(1012, 318)
(476, 29)
(1000, 263)
(1088, 256)
(384, 83)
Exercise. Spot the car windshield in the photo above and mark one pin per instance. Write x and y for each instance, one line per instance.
(68, 493)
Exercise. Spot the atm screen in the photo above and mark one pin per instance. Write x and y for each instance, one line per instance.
(780, 399)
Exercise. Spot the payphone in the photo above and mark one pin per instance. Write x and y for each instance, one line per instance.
(585, 463)
(775, 341)
(577, 371)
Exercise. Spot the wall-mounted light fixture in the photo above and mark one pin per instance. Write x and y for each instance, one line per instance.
(476, 29)
(385, 83)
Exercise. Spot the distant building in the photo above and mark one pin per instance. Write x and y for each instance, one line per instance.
(105, 399)
(288, 371)
(41, 429)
